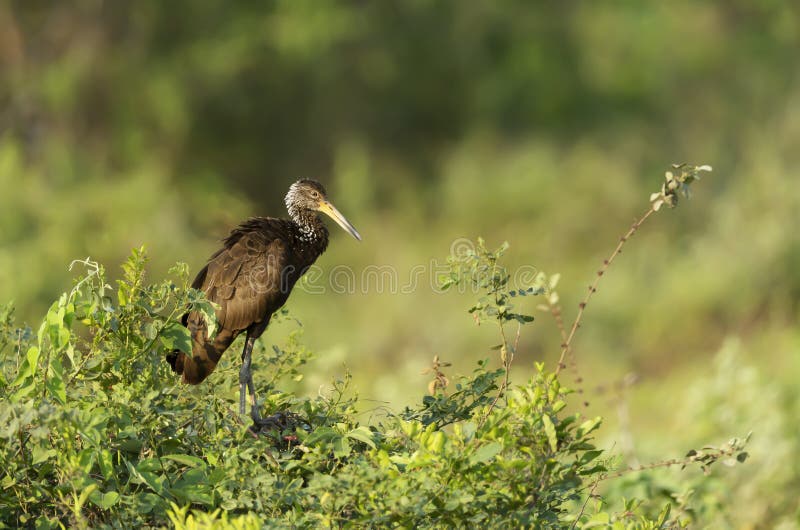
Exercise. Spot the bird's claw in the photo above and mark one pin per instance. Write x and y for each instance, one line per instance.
(280, 426)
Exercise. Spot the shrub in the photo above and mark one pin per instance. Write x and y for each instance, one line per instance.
(96, 430)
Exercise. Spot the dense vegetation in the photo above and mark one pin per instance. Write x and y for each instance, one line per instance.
(98, 431)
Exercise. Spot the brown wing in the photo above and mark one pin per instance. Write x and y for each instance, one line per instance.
(245, 279)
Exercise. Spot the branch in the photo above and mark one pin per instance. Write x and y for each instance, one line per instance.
(565, 347)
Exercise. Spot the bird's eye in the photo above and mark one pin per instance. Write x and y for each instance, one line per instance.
(315, 194)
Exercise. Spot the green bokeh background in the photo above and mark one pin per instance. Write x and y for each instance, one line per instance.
(544, 124)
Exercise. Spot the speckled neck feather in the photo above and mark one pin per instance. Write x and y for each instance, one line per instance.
(308, 222)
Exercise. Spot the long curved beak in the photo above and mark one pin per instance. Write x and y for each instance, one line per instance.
(328, 209)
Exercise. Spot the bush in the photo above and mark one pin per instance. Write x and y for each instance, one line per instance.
(97, 431)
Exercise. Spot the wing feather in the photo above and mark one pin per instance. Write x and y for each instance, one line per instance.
(244, 278)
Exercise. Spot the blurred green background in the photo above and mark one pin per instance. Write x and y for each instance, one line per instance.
(545, 124)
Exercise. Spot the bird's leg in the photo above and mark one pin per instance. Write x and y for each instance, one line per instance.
(280, 421)
(253, 402)
(246, 380)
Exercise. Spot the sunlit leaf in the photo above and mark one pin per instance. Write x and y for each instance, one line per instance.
(174, 336)
(550, 431)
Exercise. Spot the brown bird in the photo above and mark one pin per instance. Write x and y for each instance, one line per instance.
(251, 277)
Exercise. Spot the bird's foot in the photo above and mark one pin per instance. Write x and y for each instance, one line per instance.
(281, 427)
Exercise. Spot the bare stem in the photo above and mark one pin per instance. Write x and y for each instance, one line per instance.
(565, 347)
(586, 501)
(699, 457)
(556, 312)
(509, 356)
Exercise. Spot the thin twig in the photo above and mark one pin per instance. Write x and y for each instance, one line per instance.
(565, 347)
(556, 312)
(516, 339)
(506, 365)
(585, 502)
(712, 455)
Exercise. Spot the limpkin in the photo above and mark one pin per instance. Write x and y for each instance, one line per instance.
(251, 277)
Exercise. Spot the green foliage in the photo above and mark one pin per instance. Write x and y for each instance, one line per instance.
(97, 431)
(471, 394)
(676, 184)
(478, 269)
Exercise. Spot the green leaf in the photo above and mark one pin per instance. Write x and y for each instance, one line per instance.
(601, 519)
(70, 351)
(362, 434)
(155, 482)
(662, 518)
(106, 463)
(321, 434)
(40, 454)
(28, 368)
(59, 335)
(341, 447)
(174, 336)
(7, 482)
(198, 493)
(550, 431)
(208, 309)
(468, 429)
(104, 500)
(435, 442)
(588, 456)
(193, 477)
(588, 426)
(187, 460)
(486, 453)
(522, 319)
(55, 381)
(148, 464)
(150, 331)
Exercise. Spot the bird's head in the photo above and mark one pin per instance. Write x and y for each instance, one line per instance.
(307, 195)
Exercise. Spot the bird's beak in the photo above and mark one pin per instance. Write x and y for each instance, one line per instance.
(328, 209)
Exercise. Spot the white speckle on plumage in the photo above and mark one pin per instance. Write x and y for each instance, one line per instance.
(310, 227)
(308, 234)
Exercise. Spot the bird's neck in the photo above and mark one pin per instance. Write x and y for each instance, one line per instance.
(309, 226)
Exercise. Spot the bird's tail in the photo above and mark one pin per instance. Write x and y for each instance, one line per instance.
(205, 352)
